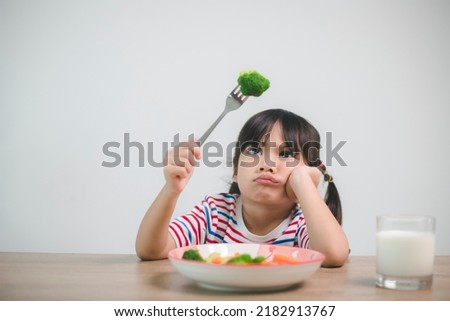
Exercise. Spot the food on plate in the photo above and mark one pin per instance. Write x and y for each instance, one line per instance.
(237, 258)
(253, 83)
(284, 259)
(245, 259)
(193, 255)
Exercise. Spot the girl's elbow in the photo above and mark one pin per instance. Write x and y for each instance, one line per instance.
(141, 254)
(150, 253)
(146, 254)
(148, 250)
(336, 258)
(334, 262)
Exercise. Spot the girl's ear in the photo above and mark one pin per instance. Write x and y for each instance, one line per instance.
(235, 178)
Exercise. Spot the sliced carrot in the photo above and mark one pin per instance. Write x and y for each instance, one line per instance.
(217, 260)
(281, 258)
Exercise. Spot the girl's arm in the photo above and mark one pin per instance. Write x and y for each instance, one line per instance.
(325, 233)
(153, 240)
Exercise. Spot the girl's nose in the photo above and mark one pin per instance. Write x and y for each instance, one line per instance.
(267, 165)
(266, 169)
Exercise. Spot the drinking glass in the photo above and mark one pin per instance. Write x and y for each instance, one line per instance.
(405, 247)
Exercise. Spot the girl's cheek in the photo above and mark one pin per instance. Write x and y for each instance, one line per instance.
(246, 162)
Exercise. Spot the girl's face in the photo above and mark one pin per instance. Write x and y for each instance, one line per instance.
(264, 168)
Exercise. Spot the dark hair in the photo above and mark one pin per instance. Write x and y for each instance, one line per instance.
(305, 139)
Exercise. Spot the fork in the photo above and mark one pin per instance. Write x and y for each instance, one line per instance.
(234, 100)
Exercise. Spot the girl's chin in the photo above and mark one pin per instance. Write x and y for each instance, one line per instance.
(269, 197)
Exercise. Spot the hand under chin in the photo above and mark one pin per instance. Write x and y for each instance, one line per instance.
(290, 193)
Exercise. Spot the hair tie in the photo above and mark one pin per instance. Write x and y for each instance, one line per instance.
(327, 177)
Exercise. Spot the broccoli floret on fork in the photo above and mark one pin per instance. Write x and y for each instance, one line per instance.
(253, 83)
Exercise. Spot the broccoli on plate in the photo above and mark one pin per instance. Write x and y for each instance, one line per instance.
(246, 258)
(193, 255)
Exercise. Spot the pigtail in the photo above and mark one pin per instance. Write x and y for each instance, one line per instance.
(332, 198)
(234, 189)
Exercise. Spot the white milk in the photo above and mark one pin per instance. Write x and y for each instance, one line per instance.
(405, 253)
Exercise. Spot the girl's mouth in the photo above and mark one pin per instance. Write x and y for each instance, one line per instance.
(266, 180)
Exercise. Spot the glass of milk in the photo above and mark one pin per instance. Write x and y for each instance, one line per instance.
(405, 252)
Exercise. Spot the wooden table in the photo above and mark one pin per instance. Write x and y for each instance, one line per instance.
(39, 276)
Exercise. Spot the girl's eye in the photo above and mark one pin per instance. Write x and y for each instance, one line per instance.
(252, 150)
(287, 153)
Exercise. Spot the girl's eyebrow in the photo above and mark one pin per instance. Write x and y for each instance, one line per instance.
(251, 142)
(285, 144)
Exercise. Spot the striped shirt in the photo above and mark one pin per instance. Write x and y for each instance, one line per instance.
(218, 219)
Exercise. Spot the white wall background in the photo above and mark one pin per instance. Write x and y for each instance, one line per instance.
(77, 74)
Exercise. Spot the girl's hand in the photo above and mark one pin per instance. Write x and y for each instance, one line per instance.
(180, 163)
(301, 177)
(324, 231)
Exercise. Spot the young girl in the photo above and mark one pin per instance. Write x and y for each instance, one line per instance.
(277, 195)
